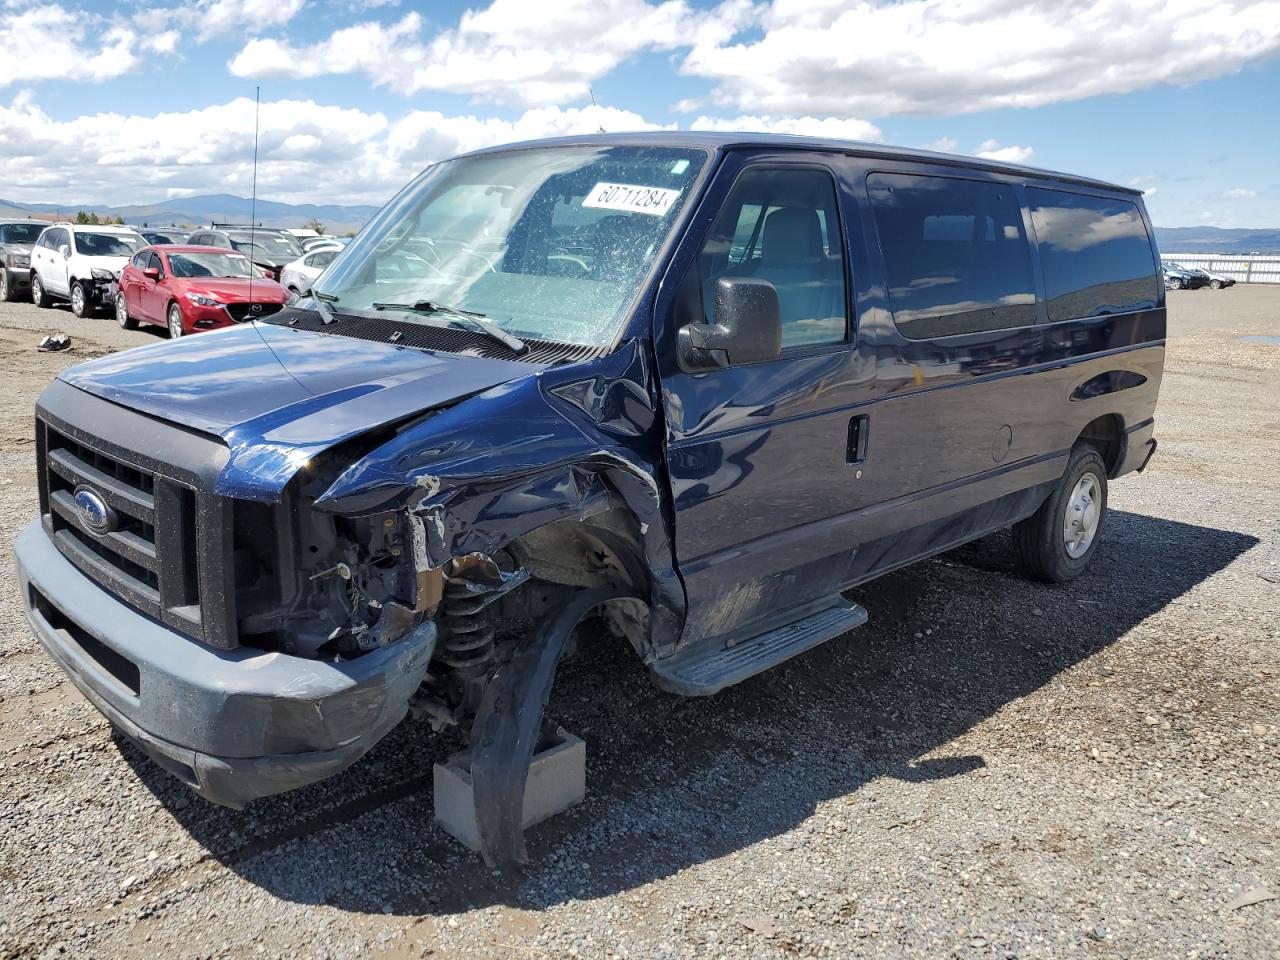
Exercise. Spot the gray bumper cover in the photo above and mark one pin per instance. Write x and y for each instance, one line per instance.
(232, 724)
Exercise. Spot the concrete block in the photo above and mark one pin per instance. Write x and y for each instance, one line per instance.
(557, 781)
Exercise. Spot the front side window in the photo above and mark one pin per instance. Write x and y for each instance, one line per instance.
(108, 244)
(781, 225)
(550, 243)
(194, 264)
(1095, 254)
(956, 254)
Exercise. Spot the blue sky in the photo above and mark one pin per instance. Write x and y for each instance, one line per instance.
(139, 101)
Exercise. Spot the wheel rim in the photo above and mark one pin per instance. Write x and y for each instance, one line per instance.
(77, 300)
(175, 322)
(4, 284)
(1084, 511)
(122, 311)
(37, 290)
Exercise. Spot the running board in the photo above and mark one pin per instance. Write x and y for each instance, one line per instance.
(710, 666)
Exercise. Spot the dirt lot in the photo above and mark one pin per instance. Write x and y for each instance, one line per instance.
(989, 768)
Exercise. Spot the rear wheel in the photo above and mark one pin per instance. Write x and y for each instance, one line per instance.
(79, 300)
(175, 321)
(39, 295)
(123, 317)
(1058, 541)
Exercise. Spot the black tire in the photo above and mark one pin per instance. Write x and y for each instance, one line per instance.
(6, 288)
(39, 295)
(1175, 283)
(1216, 284)
(126, 320)
(1040, 541)
(81, 305)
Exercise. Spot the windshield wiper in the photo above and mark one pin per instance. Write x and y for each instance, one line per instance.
(476, 321)
(320, 299)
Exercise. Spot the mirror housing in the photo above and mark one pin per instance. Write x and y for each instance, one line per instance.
(151, 273)
(747, 328)
(65, 251)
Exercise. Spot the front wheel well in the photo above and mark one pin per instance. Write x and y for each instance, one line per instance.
(1106, 434)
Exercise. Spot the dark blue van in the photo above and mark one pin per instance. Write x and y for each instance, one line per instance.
(693, 386)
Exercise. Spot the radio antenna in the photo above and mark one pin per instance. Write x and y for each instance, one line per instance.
(592, 94)
(253, 199)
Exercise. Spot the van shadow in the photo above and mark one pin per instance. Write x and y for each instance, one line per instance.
(673, 782)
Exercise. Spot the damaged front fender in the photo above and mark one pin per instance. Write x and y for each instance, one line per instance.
(563, 443)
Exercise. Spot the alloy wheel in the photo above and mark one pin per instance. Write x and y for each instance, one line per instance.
(175, 322)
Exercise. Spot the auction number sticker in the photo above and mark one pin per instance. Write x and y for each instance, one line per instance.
(655, 201)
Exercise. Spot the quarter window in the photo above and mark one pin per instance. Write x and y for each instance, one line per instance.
(1095, 254)
(779, 224)
(956, 254)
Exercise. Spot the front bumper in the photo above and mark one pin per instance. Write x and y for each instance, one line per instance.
(232, 724)
(19, 277)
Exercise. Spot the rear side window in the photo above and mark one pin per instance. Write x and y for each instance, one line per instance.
(1095, 254)
(956, 254)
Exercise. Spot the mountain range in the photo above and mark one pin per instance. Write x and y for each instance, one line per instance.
(207, 209)
(346, 218)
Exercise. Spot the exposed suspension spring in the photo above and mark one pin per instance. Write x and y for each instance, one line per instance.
(466, 642)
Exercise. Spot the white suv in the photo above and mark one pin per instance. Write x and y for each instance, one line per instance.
(80, 262)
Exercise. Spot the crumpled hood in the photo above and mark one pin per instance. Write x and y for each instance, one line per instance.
(279, 396)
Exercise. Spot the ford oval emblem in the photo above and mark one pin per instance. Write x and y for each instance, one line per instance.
(94, 513)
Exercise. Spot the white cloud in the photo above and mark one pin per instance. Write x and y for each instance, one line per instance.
(511, 51)
(874, 59)
(838, 128)
(991, 150)
(51, 42)
(942, 145)
(213, 18)
(1240, 193)
(357, 156)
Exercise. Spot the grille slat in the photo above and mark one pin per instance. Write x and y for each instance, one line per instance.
(137, 503)
(126, 543)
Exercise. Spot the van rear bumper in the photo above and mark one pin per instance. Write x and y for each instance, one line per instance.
(232, 724)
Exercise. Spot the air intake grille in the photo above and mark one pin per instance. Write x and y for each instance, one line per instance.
(155, 573)
(433, 336)
(240, 312)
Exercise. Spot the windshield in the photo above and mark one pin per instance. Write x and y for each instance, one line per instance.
(208, 265)
(20, 232)
(108, 244)
(273, 245)
(550, 243)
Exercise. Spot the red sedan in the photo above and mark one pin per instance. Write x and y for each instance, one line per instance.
(190, 289)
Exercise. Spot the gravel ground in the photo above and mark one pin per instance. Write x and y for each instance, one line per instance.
(989, 768)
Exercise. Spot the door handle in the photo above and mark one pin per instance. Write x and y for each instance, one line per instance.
(856, 450)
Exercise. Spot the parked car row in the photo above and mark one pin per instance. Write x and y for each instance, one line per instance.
(1178, 277)
(207, 279)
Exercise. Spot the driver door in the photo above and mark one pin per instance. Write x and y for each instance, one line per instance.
(763, 458)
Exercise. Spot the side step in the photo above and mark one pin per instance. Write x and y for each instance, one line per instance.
(710, 666)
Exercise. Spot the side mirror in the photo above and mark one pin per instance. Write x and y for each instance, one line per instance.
(747, 328)
(65, 251)
(151, 273)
